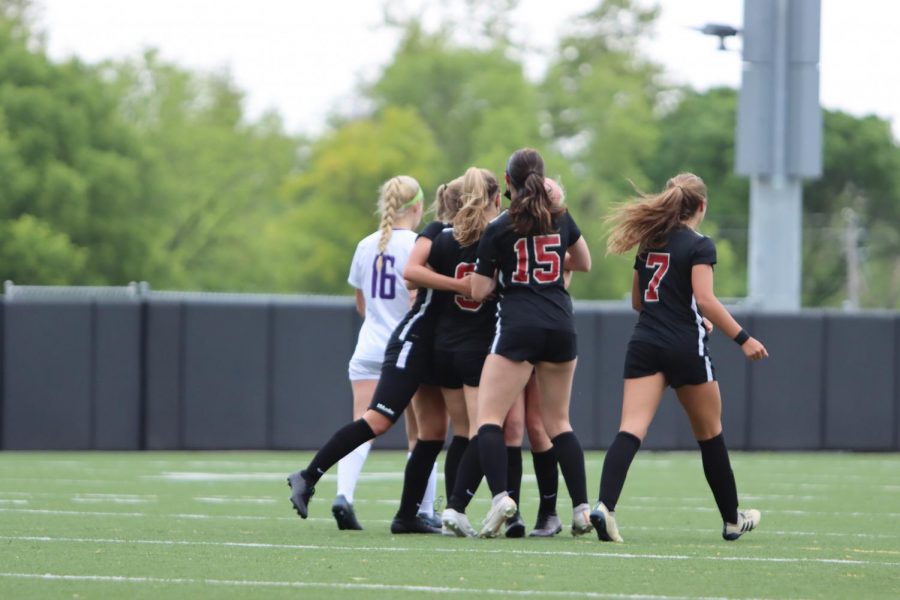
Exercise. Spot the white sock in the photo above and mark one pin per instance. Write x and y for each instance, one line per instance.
(427, 506)
(349, 469)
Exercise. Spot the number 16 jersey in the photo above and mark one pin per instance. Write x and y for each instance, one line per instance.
(669, 315)
(530, 282)
(387, 299)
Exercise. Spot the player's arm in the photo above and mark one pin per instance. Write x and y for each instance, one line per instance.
(702, 282)
(419, 274)
(578, 257)
(636, 293)
(360, 303)
(482, 286)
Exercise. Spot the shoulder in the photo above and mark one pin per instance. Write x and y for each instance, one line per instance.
(432, 230)
(369, 241)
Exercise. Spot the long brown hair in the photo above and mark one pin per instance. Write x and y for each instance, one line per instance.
(448, 200)
(478, 191)
(531, 210)
(647, 222)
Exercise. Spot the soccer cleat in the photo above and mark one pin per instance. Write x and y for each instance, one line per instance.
(415, 525)
(502, 507)
(546, 526)
(748, 520)
(344, 514)
(433, 519)
(581, 519)
(301, 492)
(604, 521)
(457, 523)
(515, 526)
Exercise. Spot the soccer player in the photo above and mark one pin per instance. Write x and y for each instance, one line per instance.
(527, 248)
(672, 289)
(405, 365)
(465, 328)
(377, 264)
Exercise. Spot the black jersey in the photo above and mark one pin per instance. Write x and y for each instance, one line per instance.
(531, 285)
(670, 316)
(463, 324)
(419, 321)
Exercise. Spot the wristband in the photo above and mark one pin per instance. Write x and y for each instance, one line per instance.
(741, 337)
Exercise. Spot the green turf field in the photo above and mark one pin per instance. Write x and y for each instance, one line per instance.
(219, 525)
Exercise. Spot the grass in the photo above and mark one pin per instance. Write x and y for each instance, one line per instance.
(219, 525)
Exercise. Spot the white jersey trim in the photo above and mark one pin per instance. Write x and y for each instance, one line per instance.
(429, 293)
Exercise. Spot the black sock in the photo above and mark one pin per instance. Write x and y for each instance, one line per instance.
(458, 445)
(514, 472)
(415, 477)
(571, 463)
(719, 476)
(615, 467)
(547, 479)
(468, 478)
(342, 443)
(492, 451)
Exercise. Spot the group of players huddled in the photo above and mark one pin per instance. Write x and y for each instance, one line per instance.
(489, 344)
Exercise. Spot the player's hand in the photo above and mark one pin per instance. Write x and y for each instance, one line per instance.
(707, 325)
(754, 350)
(464, 287)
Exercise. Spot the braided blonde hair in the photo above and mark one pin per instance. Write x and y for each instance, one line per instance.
(395, 194)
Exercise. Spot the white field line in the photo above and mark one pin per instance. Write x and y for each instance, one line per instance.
(233, 500)
(373, 587)
(13, 501)
(472, 548)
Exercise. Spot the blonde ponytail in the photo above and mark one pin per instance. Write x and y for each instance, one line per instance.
(479, 187)
(397, 196)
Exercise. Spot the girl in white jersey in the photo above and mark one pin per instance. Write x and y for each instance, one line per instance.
(382, 300)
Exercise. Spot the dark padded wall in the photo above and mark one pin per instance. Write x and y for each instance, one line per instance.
(117, 376)
(163, 375)
(859, 381)
(182, 371)
(48, 376)
(786, 395)
(225, 375)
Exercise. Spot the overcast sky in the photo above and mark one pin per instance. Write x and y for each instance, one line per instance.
(302, 57)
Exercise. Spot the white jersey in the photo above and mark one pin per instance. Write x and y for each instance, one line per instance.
(387, 299)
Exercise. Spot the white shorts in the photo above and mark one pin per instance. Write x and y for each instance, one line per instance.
(361, 369)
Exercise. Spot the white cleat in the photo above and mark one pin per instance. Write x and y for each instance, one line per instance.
(502, 507)
(748, 520)
(581, 519)
(604, 521)
(456, 524)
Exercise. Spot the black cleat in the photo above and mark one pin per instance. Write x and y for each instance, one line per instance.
(546, 526)
(434, 520)
(515, 526)
(301, 492)
(415, 525)
(344, 514)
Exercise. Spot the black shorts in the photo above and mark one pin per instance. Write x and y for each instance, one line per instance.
(679, 366)
(406, 365)
(535, 344)
(457, 368)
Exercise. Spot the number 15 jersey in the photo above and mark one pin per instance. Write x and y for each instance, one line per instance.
(530, 283)
(669, 315)
(387, 299)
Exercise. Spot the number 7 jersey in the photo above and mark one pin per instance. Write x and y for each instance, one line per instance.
(530, 280)
(669, 315)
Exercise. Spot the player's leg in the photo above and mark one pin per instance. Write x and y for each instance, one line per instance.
(543, 458)
(703, 405)
(350, 466)
(392, 395)
(431, 420)
(455, 400)
(640, 400)
(502, 380)
(468, 476)
(513, 435)
(554, 381)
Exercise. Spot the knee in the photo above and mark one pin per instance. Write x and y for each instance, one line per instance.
(377, 422)
(534, 424)
(514, 431)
